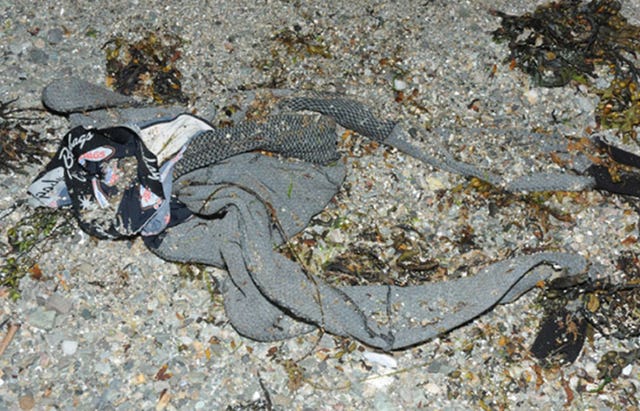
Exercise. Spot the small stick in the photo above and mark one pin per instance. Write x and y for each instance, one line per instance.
(13, 328)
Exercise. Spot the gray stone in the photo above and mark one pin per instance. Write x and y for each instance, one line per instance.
(27, 361)
(434, 367)
(58, 303)
(128, 365)
(42, 318)
(160, 386)
(69, 347)
(55, 337)
(439, 367)
(55, 35)
(19, 47)
(38, 56)
(67, 364)
(86, 314)
(399, 85)
(382, 401)
(102, 367)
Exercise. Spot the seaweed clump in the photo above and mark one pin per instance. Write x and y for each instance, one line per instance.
(288, 47)
(619, 106)
(146, 68)
(567, 41)
(18, 144)
(576, 306)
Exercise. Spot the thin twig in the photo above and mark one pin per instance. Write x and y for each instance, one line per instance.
(7, 211)
(13, 328)
(267, 397)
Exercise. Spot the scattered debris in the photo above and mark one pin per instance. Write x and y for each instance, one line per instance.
(300, 45)
(562, 41)
(566, 41)
(573, 309)
(560, 338)
(614, 309)
(384, 360)
(163, 400)
(288, 47)
(613, 362)
(162, 374)
(260, 404)
(295, 373)
(619, 106)
(574, 41)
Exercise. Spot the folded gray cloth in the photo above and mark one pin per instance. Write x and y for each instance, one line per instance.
(240, 202)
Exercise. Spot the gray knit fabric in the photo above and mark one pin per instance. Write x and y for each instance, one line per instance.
(131, 115)
(246, 203)
(307, 137)
(72, 95)
(348, 113)
(269, 297)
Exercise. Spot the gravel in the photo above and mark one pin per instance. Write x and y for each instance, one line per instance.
(110, 326)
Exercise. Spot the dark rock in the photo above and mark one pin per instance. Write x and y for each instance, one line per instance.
(55, 35)
(38, 56)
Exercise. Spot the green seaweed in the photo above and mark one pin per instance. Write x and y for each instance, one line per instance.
(25, 240)
(619, 106)
(299, 45)
(288, 46)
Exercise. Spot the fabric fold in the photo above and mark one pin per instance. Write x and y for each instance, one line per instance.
(238, 206)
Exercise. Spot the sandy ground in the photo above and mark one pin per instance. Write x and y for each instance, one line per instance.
(111, 326)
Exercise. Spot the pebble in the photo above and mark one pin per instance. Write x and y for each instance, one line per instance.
(58, 303)
(27, 402)
(336, 237)
(384, 360)
(18, 48)
(586, 103)
(38, 43)
(102, 367)
(86, 314)
(380, 383)
(69, 347)
(38, 56)
(152, 304)
(55, 35)
(434, 183)
(439, 367)
(532, 96)
(382, 402)
(42, 318)
(432, 388)
(399, 85)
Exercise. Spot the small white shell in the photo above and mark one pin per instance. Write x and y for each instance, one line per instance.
(380, 359)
